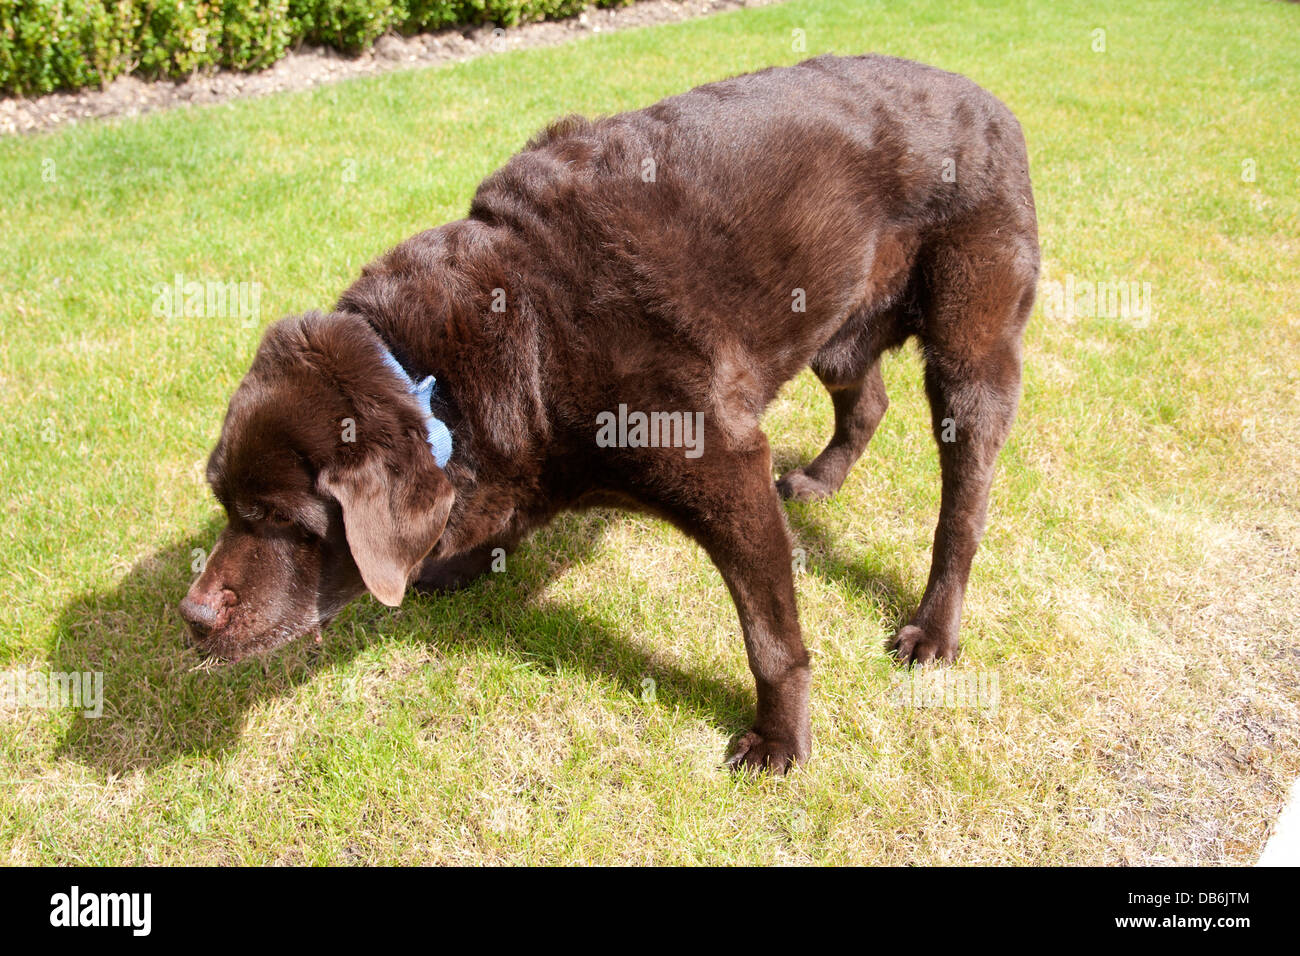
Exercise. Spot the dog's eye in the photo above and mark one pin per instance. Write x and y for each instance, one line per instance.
(259, 514)
(286, 524)
(278, 519)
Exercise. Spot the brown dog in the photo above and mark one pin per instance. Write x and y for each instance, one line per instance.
(624, 299)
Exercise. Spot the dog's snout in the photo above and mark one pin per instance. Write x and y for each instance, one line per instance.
(206, 611)
(200, 617)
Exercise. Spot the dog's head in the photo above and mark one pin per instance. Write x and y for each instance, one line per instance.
(328, 484)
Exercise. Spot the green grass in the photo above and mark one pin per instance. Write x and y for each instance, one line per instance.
(1135, 597)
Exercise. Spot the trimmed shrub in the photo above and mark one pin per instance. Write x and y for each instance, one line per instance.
(47, 45)
(425, 15)
(348, 25)
(256, 34)
(50, 45)
(175, 38)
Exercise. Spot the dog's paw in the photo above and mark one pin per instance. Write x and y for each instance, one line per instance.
(912, 645)
(453, 574)
(755, 753)
(439, 583)
(796, 485)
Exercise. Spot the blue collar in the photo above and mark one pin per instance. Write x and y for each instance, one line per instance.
(438, 434)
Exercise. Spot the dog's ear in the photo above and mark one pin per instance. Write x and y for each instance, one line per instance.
(393, 516)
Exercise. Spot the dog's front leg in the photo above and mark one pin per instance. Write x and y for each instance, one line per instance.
(442, 575)
(730, 505)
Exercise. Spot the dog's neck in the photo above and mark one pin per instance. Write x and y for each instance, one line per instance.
(441, 314)
(437, 317)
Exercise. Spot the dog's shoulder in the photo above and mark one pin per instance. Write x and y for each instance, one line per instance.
(560, 129)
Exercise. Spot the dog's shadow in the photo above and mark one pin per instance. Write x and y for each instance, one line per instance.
(158, 704)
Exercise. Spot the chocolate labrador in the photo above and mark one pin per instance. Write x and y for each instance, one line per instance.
(607, 325)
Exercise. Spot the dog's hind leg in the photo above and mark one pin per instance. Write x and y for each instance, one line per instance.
(849, 366)
(983, 290)
(858, 410)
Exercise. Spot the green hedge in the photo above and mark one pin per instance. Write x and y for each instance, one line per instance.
(72, 44)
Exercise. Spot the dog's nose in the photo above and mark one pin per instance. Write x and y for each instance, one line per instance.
(206, 609)
(200, 617)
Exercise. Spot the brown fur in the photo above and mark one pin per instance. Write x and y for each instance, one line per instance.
(670, 292)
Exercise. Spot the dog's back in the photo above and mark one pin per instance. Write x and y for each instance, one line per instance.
(752, 219)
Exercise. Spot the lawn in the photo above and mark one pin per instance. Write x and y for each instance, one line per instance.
(1132, 619)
